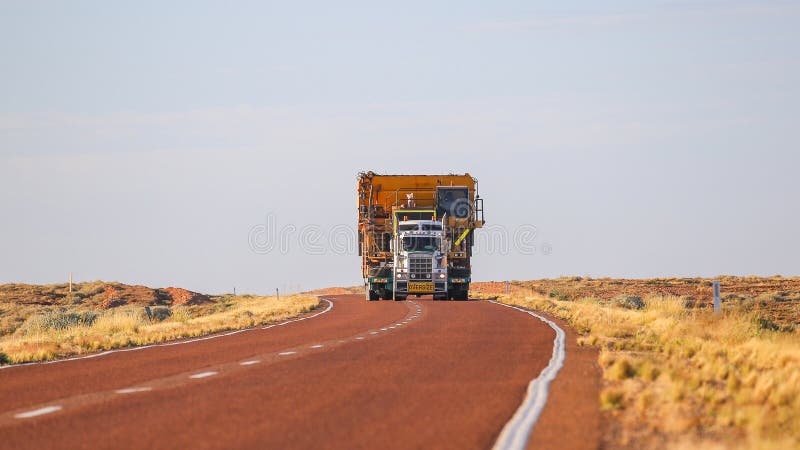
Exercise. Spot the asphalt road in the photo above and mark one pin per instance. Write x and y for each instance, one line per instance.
(352, 374)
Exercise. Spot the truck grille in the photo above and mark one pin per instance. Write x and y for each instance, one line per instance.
(420, 265)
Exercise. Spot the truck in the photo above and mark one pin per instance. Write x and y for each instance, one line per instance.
(416, 234)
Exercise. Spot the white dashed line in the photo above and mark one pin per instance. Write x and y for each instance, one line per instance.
(286, 353)
(384, 329)
(360, 337)
(37, 412)
(134, 390)
(317, 346)
(203, 375)
(249, 363)
(373, 332)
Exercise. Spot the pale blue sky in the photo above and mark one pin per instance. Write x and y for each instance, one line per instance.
(142, 142)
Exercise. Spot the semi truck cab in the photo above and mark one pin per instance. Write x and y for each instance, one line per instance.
(420, 264)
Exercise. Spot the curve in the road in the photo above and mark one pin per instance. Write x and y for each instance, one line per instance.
(419, 374)
(517, 431)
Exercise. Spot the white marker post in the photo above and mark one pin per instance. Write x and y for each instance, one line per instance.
(717, 303)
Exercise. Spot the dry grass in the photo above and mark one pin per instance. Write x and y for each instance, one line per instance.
(61, 331)
(681, 377)
(778, 297)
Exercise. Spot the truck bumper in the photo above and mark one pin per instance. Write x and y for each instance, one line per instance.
(421, 287)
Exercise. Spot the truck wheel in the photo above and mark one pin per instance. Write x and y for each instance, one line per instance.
(461, 295)
(399, 298)
(370, 295)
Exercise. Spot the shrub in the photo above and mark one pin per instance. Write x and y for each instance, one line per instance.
(629, 302)
(764, 323)
(57, 320)
(559, 295)
(611, 399)
(620, 370)
(160, 313)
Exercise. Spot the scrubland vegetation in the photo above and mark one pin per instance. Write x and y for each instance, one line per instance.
(675, 374)
(55, 327)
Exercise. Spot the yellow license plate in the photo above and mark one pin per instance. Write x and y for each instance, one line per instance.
(419, 287)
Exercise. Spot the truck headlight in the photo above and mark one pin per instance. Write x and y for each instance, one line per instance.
(441, 275)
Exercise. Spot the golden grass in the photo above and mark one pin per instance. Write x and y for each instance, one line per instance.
(70, 331)
(678, 377)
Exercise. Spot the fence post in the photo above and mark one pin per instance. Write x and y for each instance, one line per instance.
(277, 294)
(508, 288)
(717, 303)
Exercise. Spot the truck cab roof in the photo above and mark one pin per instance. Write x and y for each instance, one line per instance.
(419, 225)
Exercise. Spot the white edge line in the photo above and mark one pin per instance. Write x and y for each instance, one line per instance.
(287, 353)
(38, 412)
(168, 344)
(249, 363)
(516, 432)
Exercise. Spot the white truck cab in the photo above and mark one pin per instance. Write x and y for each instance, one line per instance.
(420, 265)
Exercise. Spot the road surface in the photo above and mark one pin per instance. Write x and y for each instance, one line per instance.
(352, 374)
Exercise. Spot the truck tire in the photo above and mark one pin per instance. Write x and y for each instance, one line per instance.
(370, 295)
(460, 295)
(399, 298)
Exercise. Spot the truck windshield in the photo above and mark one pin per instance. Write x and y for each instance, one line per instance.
(420, 243)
